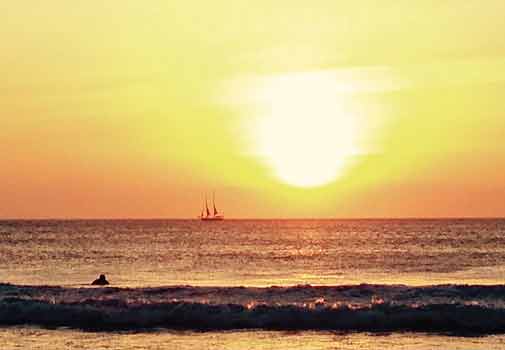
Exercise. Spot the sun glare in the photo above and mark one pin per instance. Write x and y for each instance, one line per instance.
(304, 129)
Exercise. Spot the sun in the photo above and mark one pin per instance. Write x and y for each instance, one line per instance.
(304, 129)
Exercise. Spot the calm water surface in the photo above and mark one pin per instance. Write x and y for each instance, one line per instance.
(253, 253)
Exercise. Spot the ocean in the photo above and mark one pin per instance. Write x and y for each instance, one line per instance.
(253, 284)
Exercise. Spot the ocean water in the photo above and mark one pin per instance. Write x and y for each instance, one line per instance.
(339, 284)
(252, 253)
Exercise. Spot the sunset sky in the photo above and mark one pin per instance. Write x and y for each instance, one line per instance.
(365, 108)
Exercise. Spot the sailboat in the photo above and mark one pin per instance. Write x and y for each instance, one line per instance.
(206, 214)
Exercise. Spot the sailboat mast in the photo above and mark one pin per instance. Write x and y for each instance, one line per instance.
(207, 207)
(214, 203)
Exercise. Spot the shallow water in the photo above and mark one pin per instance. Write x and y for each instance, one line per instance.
(61, 339)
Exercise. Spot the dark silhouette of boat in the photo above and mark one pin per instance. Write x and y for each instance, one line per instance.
(206, 215)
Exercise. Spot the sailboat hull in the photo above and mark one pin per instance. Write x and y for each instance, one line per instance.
(212, 218)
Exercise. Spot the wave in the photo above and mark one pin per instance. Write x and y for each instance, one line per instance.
(108, 309)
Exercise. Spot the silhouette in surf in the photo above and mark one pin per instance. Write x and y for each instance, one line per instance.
(100, 281)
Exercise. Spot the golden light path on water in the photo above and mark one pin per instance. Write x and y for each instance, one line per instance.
(307, 126)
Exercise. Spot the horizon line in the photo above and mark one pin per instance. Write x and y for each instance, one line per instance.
(256, 218)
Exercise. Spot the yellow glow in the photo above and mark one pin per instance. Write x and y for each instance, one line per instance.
(309, 127)
(304, 133)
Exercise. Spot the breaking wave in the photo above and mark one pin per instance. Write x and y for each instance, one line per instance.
(442, 309)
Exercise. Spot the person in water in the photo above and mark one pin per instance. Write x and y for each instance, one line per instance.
(100, 281)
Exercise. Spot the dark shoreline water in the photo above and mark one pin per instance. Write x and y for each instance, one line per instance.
(441, 309)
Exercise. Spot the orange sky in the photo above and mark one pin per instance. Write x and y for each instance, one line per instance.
(119, 109)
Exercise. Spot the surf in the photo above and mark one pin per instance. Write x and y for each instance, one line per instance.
(457, 309)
